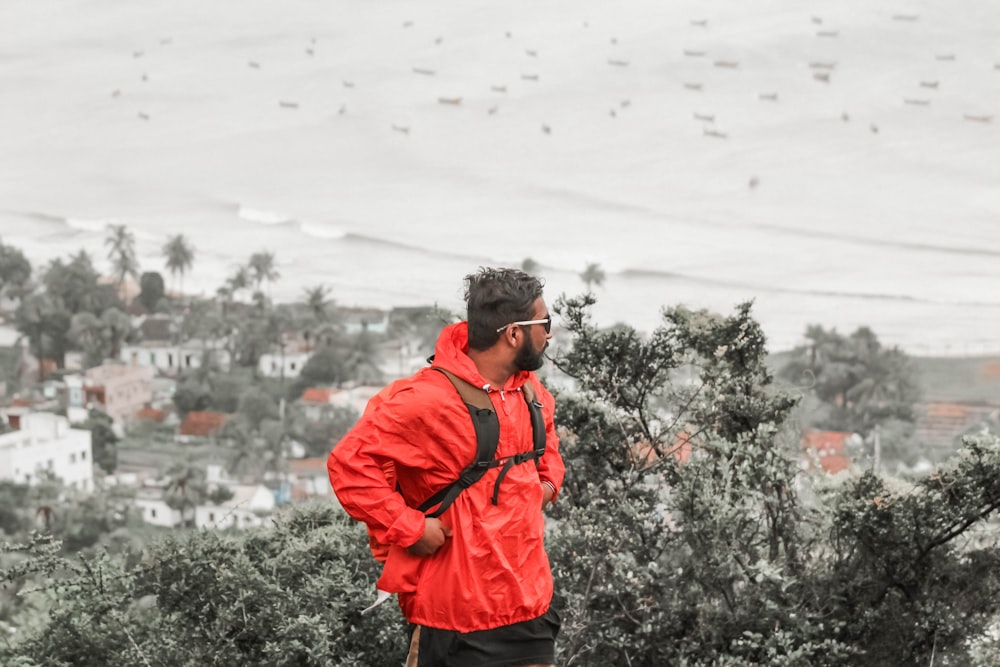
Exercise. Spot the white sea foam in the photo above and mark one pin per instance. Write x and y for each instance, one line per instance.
(322, 231)
(262, 216)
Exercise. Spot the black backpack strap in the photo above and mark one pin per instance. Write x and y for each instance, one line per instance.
(487, 427)
(537, 434)
(537, 419)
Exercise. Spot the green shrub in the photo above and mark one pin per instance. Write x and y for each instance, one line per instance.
(285, 595)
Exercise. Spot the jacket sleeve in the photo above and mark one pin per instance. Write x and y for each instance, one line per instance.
(550, 466)
(360, 467)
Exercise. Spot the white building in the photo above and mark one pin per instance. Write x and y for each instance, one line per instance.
(172, 359)
(249, 507)
(155, 509)
(316, 401)
(310, 478)
(43, 443)
(277, 364)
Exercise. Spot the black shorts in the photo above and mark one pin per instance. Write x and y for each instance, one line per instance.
(531, 642)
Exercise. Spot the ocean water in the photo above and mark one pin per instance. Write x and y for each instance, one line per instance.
(838, 163)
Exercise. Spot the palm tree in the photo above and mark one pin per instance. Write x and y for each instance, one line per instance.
(262, 268)
(185, 488)
(238, 281)
(593, 275)
(179, 254)
(121, 252)
(317, 302)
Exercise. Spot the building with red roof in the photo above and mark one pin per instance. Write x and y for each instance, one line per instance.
(826, 450)
(201, 424)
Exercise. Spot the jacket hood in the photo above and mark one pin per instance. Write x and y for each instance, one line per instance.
(452, 354)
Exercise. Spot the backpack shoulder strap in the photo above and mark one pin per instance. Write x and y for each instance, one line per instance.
(537, 418)
(487, 427)
(537, 437)
(471, 394)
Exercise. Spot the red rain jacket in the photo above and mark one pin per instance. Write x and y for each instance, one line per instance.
(417, 432)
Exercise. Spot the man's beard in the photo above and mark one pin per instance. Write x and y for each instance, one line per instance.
(529, 357)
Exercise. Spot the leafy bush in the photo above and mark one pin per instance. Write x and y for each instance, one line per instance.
(285, 595)
(685, 534)
(682, 536)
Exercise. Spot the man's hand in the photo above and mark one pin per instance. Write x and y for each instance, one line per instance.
(435, 533)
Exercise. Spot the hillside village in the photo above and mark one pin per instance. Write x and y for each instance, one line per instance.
(43, 434)
(216, 412)
(136, 392)
(136, 425)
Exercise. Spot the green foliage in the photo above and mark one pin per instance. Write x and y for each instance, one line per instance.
(46, 326)
(119, 329)
(121, 253)
(917, 560)
(219, 495)
(179, 255)
(10, 369)
(318, 303)
(88, 520)
(100, 338)
(718, 560)
(186, 487)
(262, 267)
(192, 395)
(152, 290)
(320, 434)
(416, 329)
(13, 498)
(256, 405)
(328, 365)
(593, 274)
(861, 383)
(65, 311)
(15, 270)
(86, 333)
(103, 440)
(208, 388)
(659, 562)
(684, 534)
(74, 286)
(286, 595)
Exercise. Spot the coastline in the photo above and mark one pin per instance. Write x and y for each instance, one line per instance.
(686, 181)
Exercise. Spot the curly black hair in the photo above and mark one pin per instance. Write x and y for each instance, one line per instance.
(495, 297)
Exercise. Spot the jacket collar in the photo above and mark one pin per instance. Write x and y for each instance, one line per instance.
(452, 354)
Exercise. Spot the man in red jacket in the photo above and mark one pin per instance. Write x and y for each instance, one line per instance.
(475, 583)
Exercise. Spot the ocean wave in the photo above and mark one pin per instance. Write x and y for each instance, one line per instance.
(422, 251)
(43, 217)
(91, 225)
(322, 231)
(775, 289)
(86, 225)
(39, 225)
(262, 216)
(565, 261)
(614, 205)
